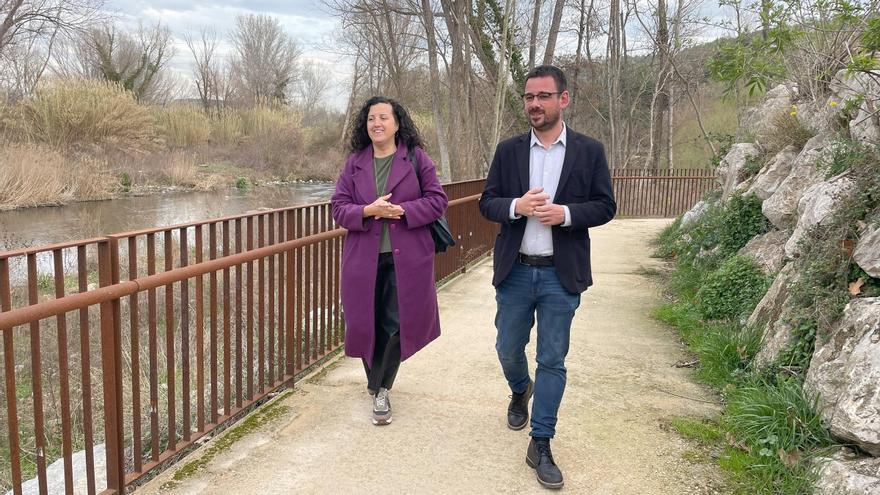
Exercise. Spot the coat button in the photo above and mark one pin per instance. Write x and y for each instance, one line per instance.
(393, 225)
(397, 251)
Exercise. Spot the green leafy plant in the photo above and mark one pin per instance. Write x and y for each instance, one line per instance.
(741, 219)
(125, 182)
(733, 290)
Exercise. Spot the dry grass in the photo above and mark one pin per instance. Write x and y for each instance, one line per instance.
(83, 114)
(33, 175)
(182, 126)
(788, 131)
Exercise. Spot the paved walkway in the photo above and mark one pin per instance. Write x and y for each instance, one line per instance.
(449, 433)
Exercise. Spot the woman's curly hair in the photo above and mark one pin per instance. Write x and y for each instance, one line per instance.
(407, 132)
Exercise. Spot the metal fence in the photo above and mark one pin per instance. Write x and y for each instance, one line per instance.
(139, 344)
(659, 193)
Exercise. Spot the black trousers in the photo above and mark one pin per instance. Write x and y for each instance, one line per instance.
(386, 354)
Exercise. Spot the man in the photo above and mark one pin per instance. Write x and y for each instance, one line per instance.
(545, 188)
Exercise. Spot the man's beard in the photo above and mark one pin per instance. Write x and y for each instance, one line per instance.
(550, 120)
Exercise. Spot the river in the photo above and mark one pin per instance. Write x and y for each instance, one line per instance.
(33, 227)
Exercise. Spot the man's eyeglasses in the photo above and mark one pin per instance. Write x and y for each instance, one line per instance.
(542, 96)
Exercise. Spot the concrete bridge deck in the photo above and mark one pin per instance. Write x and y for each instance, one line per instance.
(449, 402)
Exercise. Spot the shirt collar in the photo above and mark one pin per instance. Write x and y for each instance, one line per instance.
(560, 139)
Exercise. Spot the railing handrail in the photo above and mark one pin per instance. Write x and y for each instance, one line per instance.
(155, 230)
(55, 307)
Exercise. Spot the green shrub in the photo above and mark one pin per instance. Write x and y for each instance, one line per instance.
(741, 219)
(733, 290)
(125, 182)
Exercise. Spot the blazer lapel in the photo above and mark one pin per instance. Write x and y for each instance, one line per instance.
(568, 162)
(522, 160)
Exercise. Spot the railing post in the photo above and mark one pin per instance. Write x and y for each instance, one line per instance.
(111, 360)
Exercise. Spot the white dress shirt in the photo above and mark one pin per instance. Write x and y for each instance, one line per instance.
(545, 167)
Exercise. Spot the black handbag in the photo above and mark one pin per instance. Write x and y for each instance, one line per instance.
(439, 228)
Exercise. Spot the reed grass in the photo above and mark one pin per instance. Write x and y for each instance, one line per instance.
(182, 126)
(34, 175)
(69, 113)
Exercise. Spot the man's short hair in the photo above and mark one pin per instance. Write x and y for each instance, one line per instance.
(552, 71)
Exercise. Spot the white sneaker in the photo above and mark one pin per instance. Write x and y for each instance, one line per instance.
(381, 408)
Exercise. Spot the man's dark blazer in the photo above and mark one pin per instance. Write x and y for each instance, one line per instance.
(584, 186)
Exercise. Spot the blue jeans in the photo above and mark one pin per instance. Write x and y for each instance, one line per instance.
(526, 291)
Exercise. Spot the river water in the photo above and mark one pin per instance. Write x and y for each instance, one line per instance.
(33, 227)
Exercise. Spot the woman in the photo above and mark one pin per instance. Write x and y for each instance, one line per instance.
(386, 201)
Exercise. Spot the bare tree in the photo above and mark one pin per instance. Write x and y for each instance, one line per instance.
(23, 65)
(23, 20)
(613, 72)
(137, 62)
(208, 73)
(265, 58)
(312, 87)
(434, 70)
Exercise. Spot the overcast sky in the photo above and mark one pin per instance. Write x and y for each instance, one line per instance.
(307, 21)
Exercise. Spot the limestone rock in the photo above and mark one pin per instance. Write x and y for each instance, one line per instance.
(767, 250)
(773, 173)
(768, 313)
(820, 116)
(694, 213)
(841, 476)
(731, 165)
(780, 208)
(867, 252)
(760, 120)
(816, 206)
(845, 375)
(863, 89)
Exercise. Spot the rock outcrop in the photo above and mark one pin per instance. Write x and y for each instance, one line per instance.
(845, 375)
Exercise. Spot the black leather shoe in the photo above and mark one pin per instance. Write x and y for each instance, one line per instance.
(518, 410)
(539, 458)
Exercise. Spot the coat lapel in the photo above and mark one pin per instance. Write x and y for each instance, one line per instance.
(522, 160)
(400, 167)
(364, 177)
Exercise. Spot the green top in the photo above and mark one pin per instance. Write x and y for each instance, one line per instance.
(382, 167)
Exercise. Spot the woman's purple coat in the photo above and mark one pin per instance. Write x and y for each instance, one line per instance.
(411, 245)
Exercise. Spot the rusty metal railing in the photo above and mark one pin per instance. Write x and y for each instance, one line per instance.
(144, 342)
(662, 193)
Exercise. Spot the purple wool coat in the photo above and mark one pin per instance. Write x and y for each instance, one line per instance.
(411, 245)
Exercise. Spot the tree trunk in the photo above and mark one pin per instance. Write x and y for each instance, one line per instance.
(661, 96)
(501, 84)
(614, 81)
(443, 149)
(533, 37)
(554, 32)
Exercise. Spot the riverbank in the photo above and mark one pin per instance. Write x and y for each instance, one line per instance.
(33, 176)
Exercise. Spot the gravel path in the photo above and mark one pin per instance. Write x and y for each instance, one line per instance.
(449, 401)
